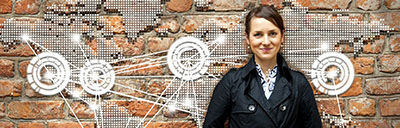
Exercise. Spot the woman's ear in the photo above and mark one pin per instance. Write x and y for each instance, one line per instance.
(283, 36)
(247, 38)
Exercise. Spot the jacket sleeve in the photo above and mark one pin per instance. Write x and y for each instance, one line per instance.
(220, 105)
(308, 108)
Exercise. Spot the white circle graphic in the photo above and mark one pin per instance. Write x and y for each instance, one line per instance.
(48, 73)
(97, 77)
(333, 73)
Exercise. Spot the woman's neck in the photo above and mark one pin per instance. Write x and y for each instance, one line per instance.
(266, 64)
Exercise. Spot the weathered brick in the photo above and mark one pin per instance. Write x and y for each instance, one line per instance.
(330, 106)
(355, 89)
(179, 5)
(276, 3)
(394, 43)
(6, 6)
(137, 108)
(174, 113)
(363, 65)
(362, 107)
(396, 124)
(371, 124)
(70, 125)
(180, 124)
(125, 85)
(22, 68)
(130, 48)
(227, 5)
(169, 22)
(6, 68)
(30, 92)
(31, 125)
(116, 24)
(81, 110)
(192, 22)
(17, 50)
(6, 124)
(2, 110)
(368, 4)
(140, 67)
(157, 87)
(374, 47)
(159, 44)
(389, 63)
(383, 85)
(392, 4)
(390, 19)
(325, 4)
(27, 6)
(35, 109)
(10, 88)
(390, 107)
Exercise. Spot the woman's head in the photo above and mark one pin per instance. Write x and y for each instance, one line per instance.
(264, 32)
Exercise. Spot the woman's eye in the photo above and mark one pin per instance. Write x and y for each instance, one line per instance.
(257, 34)
(273, 33)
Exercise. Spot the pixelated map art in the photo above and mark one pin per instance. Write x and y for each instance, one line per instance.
(66, 64)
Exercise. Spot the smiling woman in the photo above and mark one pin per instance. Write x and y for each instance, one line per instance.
(265, 92)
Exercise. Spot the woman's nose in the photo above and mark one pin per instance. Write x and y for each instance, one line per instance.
(266, 40)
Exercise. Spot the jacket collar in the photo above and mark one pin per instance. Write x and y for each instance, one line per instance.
(251, 66)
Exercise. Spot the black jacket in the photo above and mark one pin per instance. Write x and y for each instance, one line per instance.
(239, 96)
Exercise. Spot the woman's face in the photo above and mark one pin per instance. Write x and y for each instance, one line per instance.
(264, 39)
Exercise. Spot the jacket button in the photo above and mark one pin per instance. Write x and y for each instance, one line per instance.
(282, 107)
(252, 108)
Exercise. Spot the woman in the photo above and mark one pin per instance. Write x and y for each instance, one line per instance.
(265, 92)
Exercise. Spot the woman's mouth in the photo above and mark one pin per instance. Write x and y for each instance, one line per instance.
(265, 49)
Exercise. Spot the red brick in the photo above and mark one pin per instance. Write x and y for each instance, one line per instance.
(30, 92)
(363, 65)
(390, 107)
(368, 4)
(390, 19)
(325, 4)
(396, 124)
(330, 106)
(355, 89)
(27, 6)
(180, 124)
(362, 107)
(159, 44)
(228, 5)
(130, 48)
(116, 24)
(17, 50)
(157, 87)
(389, 63)
(392, 4)
(6, 68)
(394, 43)
(175, 114)
(374, 47)
(6, 6)
(124, 86)
(371, 124)
(140, 67)
(383, 85)
(192, 22)
(179, 5)
(2, 110)
(31, 125)
(5, 124)
(35, 109)
(22, 68)
(169, 22)
(137, 108)
(276, 3)
(81, 110)
(10, 88)
(70, 125)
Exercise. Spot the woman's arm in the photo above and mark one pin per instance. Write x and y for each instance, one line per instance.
(220, 105)
(308, 108)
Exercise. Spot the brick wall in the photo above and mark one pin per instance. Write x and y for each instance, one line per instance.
(372, 101)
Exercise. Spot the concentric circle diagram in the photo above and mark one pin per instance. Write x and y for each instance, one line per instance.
(48, 73)
(332, 74)
(82, 57)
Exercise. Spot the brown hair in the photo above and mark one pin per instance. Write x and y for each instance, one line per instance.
(267, 12)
